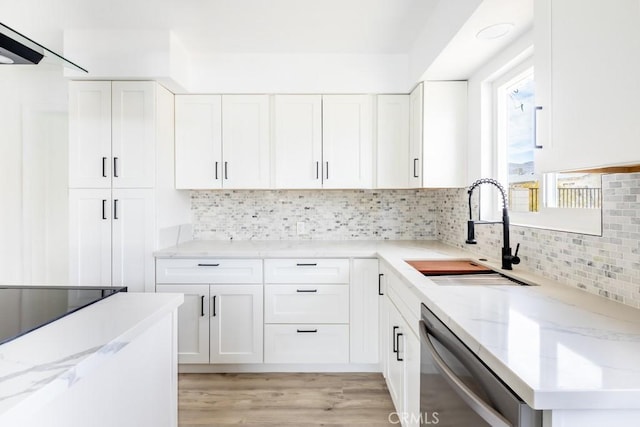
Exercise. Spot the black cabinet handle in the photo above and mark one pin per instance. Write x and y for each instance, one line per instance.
(104, 209)
(104, 167)
(115, 208)
(208, 265)
(226, 170)
(394, 340)
(302, 264)
(216, 170)
(115, 167)
(327, 169)
(380, 284)
(307, 331)
(415, 167)
(398, 358)
(317, 170)
(214, 306)
(306, 290)
(201, 305)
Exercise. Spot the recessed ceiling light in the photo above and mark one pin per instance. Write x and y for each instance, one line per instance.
(494, 31)
(5, 60)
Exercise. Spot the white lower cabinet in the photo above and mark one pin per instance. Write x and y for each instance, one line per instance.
(306, 311)
(306, 343)
(236, 323)
(218, 322)
(193, 322)
(364, 291)
(401, 363)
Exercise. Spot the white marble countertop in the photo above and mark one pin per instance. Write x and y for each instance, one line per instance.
(36, 367)
(557, 347)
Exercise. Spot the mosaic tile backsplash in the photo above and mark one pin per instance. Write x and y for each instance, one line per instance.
(608, 266)
(328, 214)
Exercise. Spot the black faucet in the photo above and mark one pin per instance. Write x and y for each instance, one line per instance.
(508, 260)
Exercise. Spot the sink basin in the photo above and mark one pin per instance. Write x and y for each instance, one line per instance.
(489, 279)
(448, 267)
(462, 273)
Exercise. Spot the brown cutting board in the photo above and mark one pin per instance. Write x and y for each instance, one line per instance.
(447, 267)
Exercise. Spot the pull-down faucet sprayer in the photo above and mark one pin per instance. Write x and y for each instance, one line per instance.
(507, 259)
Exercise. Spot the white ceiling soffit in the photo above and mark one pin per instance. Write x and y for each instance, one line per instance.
(465, 53)
(241, 26)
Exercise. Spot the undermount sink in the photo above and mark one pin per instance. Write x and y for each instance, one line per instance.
(462, 273)
(490, 279)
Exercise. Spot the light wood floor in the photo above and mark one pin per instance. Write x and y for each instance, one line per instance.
(283, 399)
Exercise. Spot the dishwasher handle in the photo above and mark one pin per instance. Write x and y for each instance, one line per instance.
(482, 408)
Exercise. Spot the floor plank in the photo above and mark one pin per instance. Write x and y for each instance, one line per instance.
(283, 399)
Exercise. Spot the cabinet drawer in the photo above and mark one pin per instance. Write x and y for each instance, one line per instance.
(306, 271)
(204, 270)
(306, 304)
(306, 343)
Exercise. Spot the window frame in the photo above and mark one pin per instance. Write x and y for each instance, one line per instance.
(572, 220)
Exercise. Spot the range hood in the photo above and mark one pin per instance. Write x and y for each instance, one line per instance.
(16, 48)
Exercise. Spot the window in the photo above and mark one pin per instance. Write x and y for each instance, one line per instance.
(564, 201)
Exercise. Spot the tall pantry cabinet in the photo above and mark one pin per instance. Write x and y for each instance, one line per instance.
(118, 131)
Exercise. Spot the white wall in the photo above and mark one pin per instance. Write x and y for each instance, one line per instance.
(33, 175)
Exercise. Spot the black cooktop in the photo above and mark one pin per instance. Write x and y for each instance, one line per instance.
(25, 308)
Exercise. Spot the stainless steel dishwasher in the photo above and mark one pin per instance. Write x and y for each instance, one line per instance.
(458, 390)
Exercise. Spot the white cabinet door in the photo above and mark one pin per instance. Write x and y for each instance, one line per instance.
(133, 139)
(193, 322)
(246, 141)
(90, 237)
(395, 351)
(392, 153)
(133, 239)
(415, 137)
(198, 149)
(90, 135)
(445, 134)
(298, 141)
(411, 362)
(347, 138)
(363, 297)
(236, 334)
(589, 56)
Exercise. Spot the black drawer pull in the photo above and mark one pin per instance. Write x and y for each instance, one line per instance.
(394, 340)
(302, 264)
(307, 331)
(398, 358)
(208, 265)
(306, 290)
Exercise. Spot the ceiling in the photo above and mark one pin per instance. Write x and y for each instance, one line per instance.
(277, 26)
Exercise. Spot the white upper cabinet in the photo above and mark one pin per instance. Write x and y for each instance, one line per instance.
(90, 135)
(112, 134)
(198, 141)
(347, 133)
(133, 138)
(222, 141)
(416, 100)
(586, 70)
(393, 163)
(298, 141)
(246, 141)
(445, 134)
